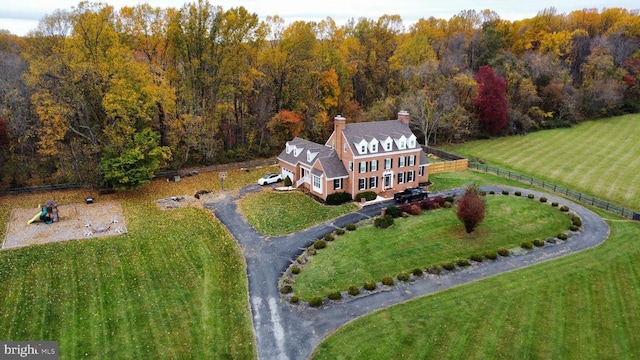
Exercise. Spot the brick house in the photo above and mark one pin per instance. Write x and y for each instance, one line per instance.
(378, 156)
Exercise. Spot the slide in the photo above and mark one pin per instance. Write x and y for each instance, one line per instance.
(38, 215)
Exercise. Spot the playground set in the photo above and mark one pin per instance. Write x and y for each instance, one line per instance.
(48, 213)
(54, 223)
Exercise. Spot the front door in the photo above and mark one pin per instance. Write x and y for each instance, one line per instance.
(388, 180)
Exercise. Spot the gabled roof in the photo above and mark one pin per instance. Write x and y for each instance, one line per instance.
(395, 129)
(307, 152)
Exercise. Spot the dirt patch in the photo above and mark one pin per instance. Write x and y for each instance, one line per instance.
(76, 221)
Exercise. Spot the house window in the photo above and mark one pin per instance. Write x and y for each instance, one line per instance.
(333, 144)
(317, 185)
(363, 166)
(344, 147)
(412, 143)
(410, 176)
(388, 163)
(401, 161)
(374, 147)
(421, 171)
(402, 144)
(373, 182)
(337, 184)
(388, 145)
(374, 165)
(363, 149)
(350, 165)
(400, 178)
(412, 160)
(362, 184)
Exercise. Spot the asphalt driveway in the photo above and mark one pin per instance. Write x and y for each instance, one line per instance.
(286, 331)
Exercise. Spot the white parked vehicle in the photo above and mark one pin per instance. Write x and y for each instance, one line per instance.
(270, 179)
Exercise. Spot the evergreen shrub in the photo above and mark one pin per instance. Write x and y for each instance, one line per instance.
(338, 198)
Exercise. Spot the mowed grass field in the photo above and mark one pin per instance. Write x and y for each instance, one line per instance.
(599, 158)
(429, 239)
(174, 287)
(583, 306)
(279, 213)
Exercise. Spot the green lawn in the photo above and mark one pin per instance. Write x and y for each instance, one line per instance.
(173, 287)
(583, 306)
(280, 213)
(600, 158)
(432, 238)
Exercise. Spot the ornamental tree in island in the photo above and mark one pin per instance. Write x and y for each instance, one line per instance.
(471, 208)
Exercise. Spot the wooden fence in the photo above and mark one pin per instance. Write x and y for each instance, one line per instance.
(452, 162)
(448, 166)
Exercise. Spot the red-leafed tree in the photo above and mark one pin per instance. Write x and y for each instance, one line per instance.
(471, 208)
(491, 104)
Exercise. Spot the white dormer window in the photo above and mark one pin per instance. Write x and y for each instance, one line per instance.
(362, 146)
(412, 141)
(373, 146)
(401, 142)
(289, 148)
(311, 155)
(296, 151)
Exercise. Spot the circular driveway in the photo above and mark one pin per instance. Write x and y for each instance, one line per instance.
(286, 331)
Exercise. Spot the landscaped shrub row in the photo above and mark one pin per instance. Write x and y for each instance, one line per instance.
(462, 262)
(394, 211)
(316, 301)
(383, 222)
(576, 220)
(335, 295)
(491, 255)
(476, 257)
(367, 195)
(412, 209)
(338, 198)
(387, 280)
(320, 244)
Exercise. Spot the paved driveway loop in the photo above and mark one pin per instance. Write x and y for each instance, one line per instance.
(285, 331)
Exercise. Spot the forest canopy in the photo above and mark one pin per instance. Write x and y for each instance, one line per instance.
(108, 97)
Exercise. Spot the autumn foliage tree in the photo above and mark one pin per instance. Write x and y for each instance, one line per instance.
(491, 104)
(284, 126)
(471, 208)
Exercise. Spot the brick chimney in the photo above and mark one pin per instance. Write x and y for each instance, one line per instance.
(404, 117)
(339, 124)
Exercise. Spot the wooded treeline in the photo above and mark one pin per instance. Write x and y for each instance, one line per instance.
(101, 96)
